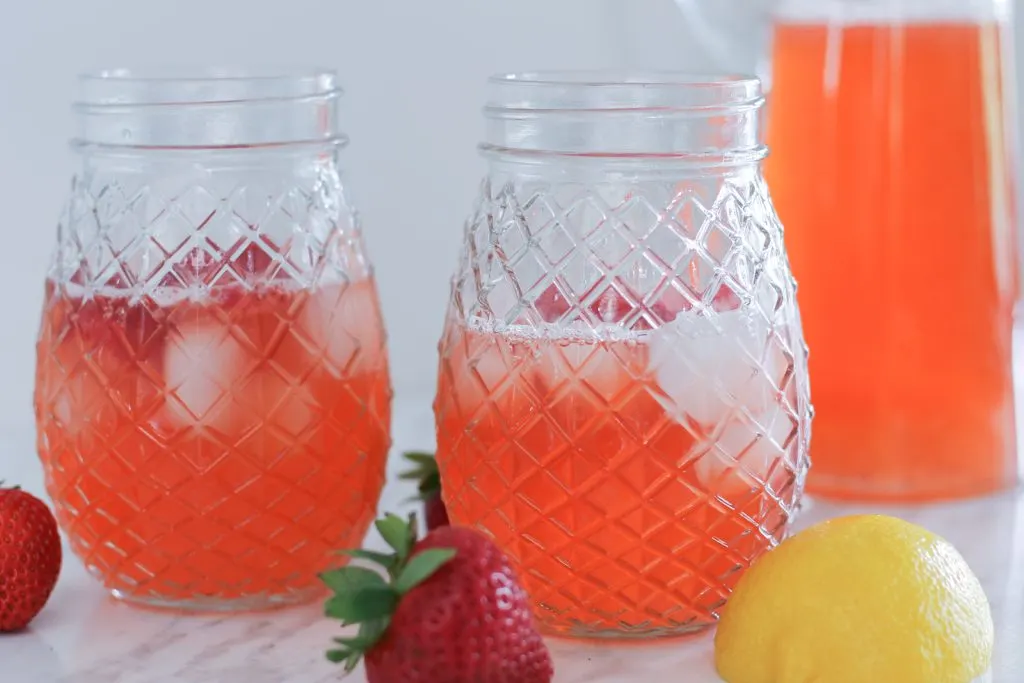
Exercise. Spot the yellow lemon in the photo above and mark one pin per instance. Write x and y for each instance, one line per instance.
(862, 599)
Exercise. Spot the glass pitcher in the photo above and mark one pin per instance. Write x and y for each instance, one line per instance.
(623, 394)
(893, 168)
(212, 394)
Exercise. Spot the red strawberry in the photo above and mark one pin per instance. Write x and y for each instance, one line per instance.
(452, 612)
(30, 557)
(428, 479)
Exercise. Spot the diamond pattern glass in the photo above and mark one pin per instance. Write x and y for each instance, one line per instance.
(212, 394)
(623, 397)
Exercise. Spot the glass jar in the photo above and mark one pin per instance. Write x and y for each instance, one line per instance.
(623, 399)
(892, 127)
(212, 393)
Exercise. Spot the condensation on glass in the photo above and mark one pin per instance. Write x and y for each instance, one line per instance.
(212, 395)
(623, 399)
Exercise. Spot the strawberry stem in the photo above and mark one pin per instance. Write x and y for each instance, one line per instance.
(362, 596)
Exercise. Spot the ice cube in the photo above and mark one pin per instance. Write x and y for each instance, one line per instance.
(766, 387)
(704, 366)
(344, 320)
(751, 445)
(203, 364)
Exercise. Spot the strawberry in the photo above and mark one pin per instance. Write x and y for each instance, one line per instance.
(30, 557)
(428, 479)
(451, 611)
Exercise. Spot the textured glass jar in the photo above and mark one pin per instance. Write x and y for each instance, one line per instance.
(623, 397)
(212, 393)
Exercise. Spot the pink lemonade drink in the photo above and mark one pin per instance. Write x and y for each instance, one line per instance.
(632, 474)
(213, 448)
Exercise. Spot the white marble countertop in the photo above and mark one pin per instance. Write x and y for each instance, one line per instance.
(85, 637)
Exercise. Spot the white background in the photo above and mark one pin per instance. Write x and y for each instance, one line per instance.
(413, 71)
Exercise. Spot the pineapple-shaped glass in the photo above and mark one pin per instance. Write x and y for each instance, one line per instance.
(212, 393)
(623, 399)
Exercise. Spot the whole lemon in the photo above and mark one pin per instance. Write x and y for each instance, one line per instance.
(861, 599)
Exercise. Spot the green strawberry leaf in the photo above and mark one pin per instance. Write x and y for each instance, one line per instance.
(350, 657)
(397, 533)
(421, 567)
(362, 605)
(350, 579)
(385, 560)
(369, 633)
(421, 458)
(424, 473)
(353, 649)
(356, 643)
(364, 597)
(430, 484)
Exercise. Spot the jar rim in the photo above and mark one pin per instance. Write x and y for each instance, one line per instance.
(614, 89)
(614, 77)
(202, 85)
(617, 113)
(207, 108)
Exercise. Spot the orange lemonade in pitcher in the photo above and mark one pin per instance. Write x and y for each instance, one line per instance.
(891, 171)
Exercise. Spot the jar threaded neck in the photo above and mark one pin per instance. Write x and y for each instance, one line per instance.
(625, 114)
(219, 108)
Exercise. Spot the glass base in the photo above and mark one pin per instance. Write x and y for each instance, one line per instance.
(214, 605)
